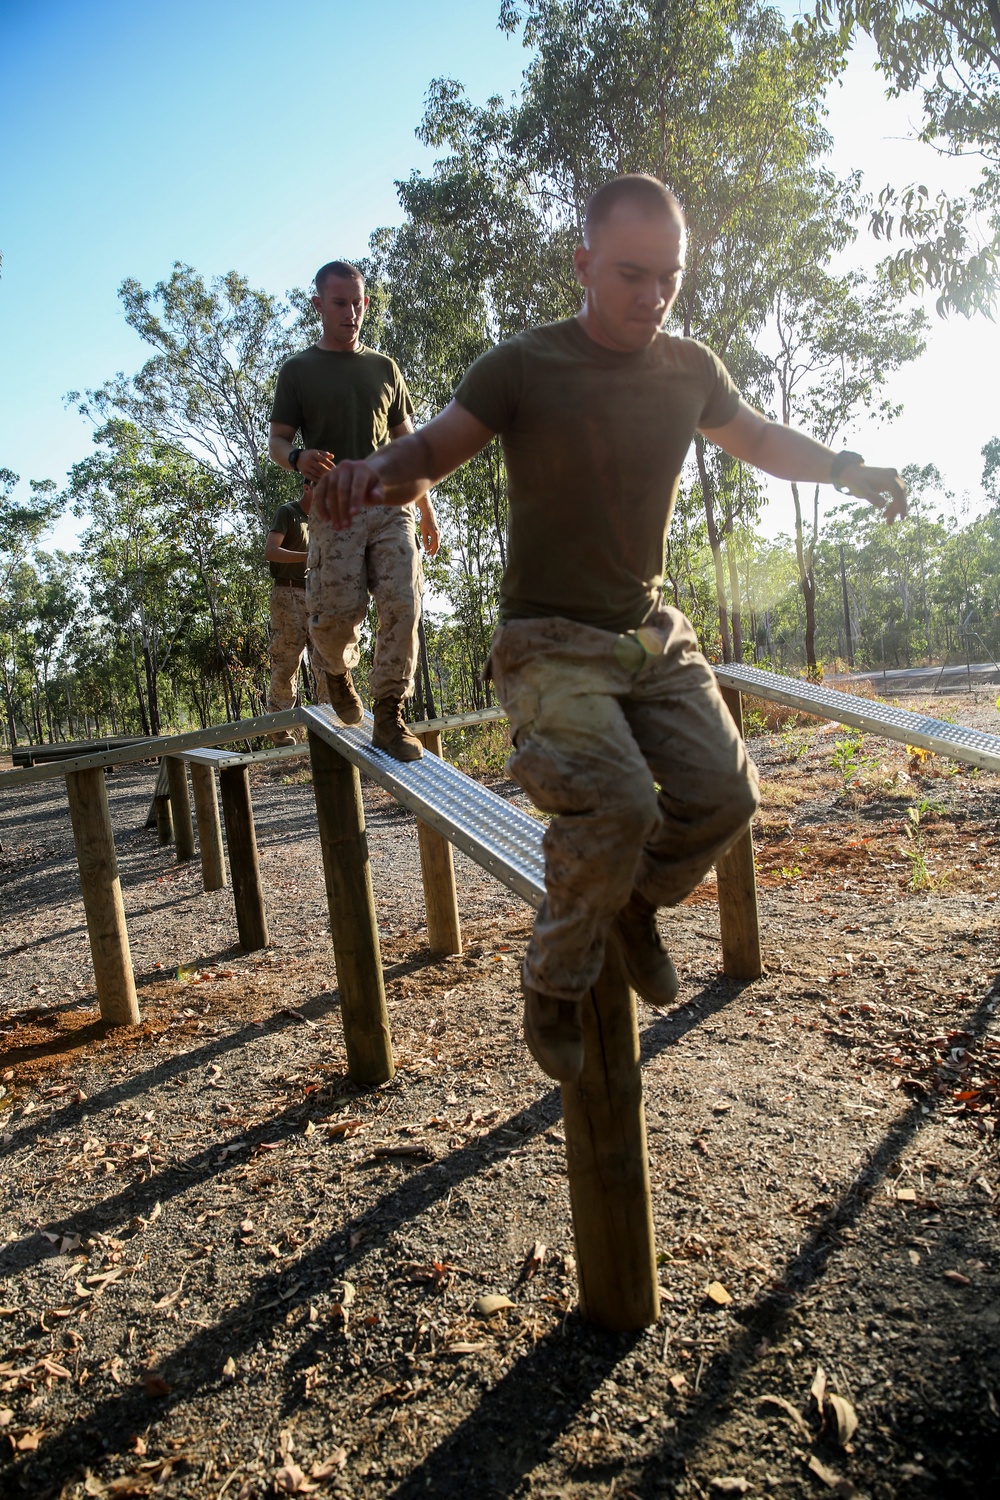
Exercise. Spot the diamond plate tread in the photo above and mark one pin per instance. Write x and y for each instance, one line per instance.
(974, 746)
(498, 836)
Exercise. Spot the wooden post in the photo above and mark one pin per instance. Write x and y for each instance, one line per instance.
(607, 1162)
(154, 818)
(244, 866)
(739, 918)
(437, 869)
(206, 809)
(349, 895)
(102, 897)
(180, 808)
(164, 822)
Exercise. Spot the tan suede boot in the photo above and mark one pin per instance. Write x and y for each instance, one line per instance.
(643, 953)
(390, 732)
(344, 698)
(553, 1030)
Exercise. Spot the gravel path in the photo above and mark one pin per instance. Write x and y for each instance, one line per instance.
(225, 1271)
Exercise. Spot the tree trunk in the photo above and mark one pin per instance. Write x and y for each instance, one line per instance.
(736, 610)
(708, 499)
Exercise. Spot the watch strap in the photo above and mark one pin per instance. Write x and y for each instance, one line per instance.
(842, 461)
(294, 454)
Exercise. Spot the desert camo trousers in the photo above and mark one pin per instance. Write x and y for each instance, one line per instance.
(377, 555)
(625, 739)
(289, 642)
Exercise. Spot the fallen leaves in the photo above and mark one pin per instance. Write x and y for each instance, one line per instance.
(491, 1303)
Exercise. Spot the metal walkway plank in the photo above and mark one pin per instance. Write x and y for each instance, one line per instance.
(974, 746)
(498, 836)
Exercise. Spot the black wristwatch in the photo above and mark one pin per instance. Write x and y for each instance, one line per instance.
(294, 454)
(843, 461)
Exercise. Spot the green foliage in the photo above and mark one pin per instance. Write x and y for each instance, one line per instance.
(846, 758)
(948, 51)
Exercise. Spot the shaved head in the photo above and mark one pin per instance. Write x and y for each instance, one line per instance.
(636, 193)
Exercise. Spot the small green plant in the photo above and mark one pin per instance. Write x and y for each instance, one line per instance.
(794, 743)
(847, 759)
(791, 872)
(921, 878)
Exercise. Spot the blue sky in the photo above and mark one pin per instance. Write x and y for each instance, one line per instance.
(266, 138)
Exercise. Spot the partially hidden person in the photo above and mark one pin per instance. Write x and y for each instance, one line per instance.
(285, 552)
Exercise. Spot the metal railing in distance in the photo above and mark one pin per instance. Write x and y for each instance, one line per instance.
(498, 836)
(974, 746)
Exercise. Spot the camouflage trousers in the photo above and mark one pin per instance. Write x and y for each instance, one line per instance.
(377, 555)
(625, 739)
(289, 642)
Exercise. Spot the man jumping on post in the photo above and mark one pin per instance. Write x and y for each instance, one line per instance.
(348, 402)
(619, 729)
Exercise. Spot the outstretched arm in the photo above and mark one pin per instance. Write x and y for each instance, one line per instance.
(403, 471)
(789, 454)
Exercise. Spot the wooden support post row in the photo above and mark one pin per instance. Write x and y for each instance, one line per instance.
(739, 918)
(102, 897)
(346, 867)
(437, 869)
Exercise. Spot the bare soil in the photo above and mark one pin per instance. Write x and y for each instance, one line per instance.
(225, 1271)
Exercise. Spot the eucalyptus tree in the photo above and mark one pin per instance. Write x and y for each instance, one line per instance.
(717, 100)
(22, 524)
(140, 580)
(839, 340)
(206, 390)
(948, 51)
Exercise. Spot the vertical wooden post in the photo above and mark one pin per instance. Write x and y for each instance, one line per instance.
(739, 918)
(206, 809)
(102, 897)
(180, 808)
(349, 895)
(164, 822)
(244, 866)
(608, 1164)
(437, 869)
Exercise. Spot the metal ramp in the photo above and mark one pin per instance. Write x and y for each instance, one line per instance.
(498, 836)
(974, 746)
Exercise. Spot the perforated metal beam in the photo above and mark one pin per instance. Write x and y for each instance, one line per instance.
(497, 835)
(973, 746)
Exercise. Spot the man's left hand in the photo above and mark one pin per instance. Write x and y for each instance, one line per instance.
(882, 488)
(430, 535)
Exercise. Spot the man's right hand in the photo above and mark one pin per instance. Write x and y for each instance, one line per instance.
(344, 491)
(314, 463)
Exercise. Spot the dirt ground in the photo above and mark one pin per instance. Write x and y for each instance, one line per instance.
(224, 1271)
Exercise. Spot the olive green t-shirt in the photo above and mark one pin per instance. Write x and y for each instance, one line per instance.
(344, 403)
(293, 524)
(593, 442)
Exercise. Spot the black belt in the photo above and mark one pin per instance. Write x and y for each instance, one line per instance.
(289, 583)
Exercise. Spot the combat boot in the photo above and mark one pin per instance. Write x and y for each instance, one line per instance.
(344, 698)
(643, 953)
(390, 732)
(553, 1030)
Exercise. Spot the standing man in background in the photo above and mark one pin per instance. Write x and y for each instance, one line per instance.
(347, 401)
(285, 552)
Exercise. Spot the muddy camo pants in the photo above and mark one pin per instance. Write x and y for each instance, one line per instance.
(289, 641)
(625, 739)
(377, 555)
